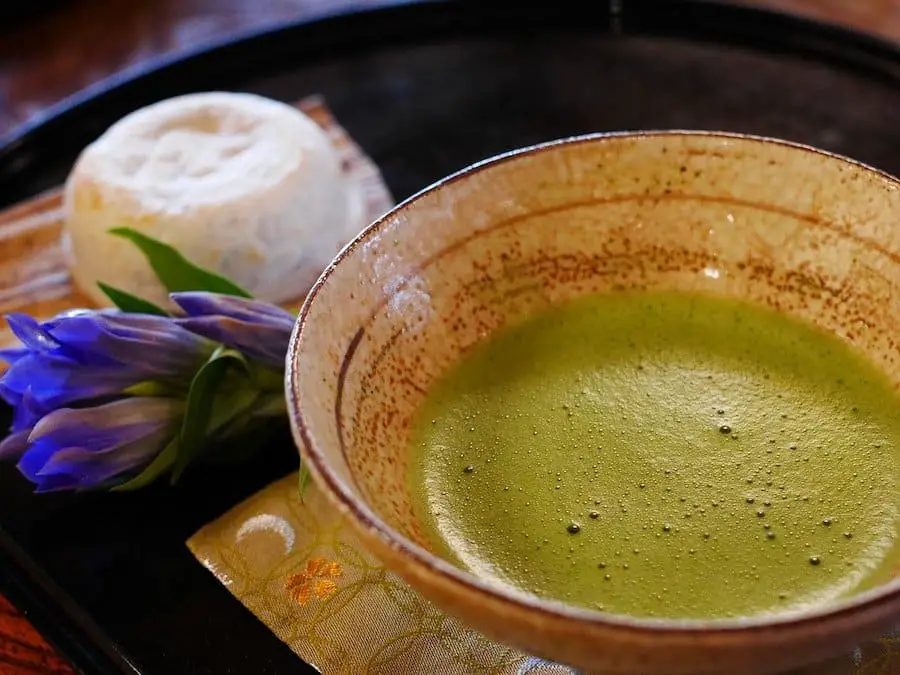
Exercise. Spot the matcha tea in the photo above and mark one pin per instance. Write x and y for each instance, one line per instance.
(663, 455)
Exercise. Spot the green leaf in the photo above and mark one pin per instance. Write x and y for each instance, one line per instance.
(154, 470)
(233, 399)
(302, 479)
(206, 387)
(176, 272)
(130, 303)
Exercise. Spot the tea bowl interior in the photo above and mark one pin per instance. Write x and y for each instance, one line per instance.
(799, 230)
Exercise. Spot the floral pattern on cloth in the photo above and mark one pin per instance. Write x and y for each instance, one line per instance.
(304, 573)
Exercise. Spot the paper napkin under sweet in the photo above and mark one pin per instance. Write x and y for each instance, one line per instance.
(34, 278)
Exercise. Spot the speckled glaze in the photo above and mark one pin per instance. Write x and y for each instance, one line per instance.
(800, 230)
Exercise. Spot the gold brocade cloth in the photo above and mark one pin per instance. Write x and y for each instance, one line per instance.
(304, 573)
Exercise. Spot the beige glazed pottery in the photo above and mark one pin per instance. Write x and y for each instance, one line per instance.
(789, 226)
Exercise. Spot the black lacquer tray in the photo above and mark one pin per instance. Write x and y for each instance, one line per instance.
(426, 88)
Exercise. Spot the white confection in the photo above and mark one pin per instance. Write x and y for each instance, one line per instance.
(246, 186)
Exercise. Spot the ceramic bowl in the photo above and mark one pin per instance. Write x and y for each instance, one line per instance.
(795, 228)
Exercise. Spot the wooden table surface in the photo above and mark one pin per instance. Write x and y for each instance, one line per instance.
(49, 56)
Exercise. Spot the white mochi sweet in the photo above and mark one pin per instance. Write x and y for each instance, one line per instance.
(242, 185)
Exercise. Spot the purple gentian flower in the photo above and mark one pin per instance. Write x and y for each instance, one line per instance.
(86, 355)
(98, 394)
(73, 448)
(259, 330)
(76, 421)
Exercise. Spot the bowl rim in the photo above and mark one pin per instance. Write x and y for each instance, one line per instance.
(365, 519)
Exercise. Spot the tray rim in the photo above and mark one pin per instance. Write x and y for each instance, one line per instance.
(52, 610)
(857, 46)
